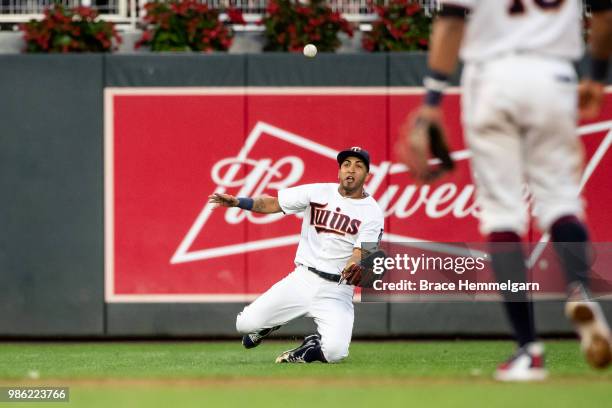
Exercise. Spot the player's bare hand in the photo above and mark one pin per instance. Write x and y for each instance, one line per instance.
(413, 147)
(590, 98)
(223, 200)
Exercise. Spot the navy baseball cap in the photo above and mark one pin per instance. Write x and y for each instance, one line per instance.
(355, 151)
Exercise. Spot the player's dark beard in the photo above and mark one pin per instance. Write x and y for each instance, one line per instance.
(350, 190)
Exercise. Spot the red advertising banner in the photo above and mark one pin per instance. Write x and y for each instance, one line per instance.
(168, 149)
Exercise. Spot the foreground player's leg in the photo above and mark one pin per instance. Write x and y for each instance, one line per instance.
(492, 112)
(591, 326)
(570, 240)
(527, 364)
(509, 264)
(555, 162)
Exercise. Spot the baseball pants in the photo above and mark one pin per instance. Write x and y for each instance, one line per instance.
(519, 113)
(303, 293)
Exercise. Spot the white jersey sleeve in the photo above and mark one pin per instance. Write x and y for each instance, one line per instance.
(371, 231)
(295, 199)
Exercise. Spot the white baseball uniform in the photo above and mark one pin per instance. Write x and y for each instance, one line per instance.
(332, 226)
(519, 108)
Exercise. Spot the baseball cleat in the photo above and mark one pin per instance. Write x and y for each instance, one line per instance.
(593, 330)
(297, 354)
(527, 364)
(252, 340)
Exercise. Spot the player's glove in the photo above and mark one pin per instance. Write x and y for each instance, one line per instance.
(425, 138)
(353, 273)
(362, 274)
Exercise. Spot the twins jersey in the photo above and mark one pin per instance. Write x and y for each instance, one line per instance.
(333, 225)
(498, 27)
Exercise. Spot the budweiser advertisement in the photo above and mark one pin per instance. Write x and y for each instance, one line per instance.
(168, 149)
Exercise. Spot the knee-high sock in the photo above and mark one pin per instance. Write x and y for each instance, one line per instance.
(570, 240)
(509, 264)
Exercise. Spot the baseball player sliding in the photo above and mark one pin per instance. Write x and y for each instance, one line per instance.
(519, 108)
(338, 219)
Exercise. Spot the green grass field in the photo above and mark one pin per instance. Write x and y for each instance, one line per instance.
(220, 374)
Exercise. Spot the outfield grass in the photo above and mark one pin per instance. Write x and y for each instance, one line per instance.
(419, 374)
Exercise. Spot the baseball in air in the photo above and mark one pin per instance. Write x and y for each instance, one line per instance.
(310, 50)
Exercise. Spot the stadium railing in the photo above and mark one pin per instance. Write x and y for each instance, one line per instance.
(127, 13)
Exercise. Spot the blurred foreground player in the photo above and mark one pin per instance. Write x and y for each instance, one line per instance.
(338, 218)
(519, 112)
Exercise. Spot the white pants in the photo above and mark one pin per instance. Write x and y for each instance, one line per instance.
(519, 115)
(303, 293)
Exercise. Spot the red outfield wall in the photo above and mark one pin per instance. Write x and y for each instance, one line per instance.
(167, 149)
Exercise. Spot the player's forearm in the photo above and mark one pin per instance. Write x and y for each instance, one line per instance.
(262, 204)
(266, 205)
(445, 43)
(444, 48)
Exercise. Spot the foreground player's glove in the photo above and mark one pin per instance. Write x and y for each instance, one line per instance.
(425, 138)
(362, 274)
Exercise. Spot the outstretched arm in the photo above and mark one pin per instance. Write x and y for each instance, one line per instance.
(263, 204)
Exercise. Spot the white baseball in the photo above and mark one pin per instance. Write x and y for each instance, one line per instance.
(34, 374)
(310, 50)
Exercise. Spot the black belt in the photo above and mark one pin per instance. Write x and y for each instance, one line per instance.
(327, 276)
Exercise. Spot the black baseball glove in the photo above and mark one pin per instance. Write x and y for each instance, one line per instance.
(429, 137)
(423, 138)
